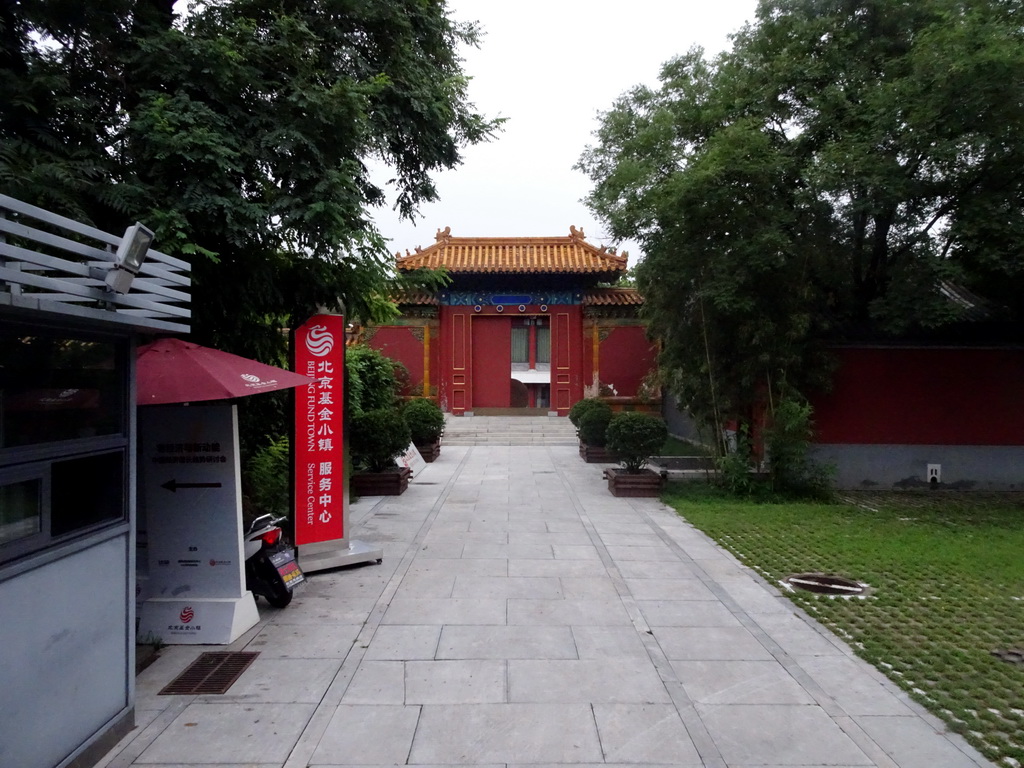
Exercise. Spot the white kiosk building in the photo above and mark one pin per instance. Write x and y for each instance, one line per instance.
(73, 301)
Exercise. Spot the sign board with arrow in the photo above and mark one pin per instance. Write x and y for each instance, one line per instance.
(190, 501)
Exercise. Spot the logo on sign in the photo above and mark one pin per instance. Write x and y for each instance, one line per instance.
(319, 341)
(186, 615)
(251, 378)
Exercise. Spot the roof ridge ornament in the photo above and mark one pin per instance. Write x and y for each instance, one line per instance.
(443, 235)
(575, 234)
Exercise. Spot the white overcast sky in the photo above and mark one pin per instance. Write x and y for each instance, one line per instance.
(550, 66)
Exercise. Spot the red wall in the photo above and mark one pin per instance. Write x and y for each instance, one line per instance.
(398, 343)
(924, 397)
(625, 358)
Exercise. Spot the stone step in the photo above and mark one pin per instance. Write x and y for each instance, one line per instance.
(504, 430)
(498, 440)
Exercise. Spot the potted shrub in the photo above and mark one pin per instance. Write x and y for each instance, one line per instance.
(580, 407)
(593, 434)
(377, 438)
(426, 425)
(634, 438)
(590, 416)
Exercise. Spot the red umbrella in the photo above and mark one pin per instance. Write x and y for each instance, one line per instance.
(176, 371)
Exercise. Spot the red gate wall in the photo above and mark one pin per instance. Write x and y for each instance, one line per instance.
(566, 357)
(456, 375)
(464, 357)
(492, 361)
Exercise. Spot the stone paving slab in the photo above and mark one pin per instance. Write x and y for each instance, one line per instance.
(524, 617)
(507, 733)
(229, 733)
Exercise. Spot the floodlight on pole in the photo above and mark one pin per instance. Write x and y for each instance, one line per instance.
(128, 260)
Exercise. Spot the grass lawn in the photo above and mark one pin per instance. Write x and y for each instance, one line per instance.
(946, 572)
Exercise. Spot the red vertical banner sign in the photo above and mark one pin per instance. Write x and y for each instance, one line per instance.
(319, 446)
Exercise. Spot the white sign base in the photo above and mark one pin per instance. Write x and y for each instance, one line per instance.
(200, 621)
(412, 459)
(190, 497)
(335, 554)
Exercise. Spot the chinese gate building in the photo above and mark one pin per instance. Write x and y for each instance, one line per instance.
(528, 324)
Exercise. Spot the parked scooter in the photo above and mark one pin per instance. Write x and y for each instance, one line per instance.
(270, 566)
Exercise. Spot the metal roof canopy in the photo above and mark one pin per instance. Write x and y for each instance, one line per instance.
(49, 264)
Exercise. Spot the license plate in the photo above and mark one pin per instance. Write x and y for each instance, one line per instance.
(290, 572)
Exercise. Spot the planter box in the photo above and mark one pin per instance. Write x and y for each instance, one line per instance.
(644, 483)
(429, 451)
(390, 483)
(593, 454)
(686, 463)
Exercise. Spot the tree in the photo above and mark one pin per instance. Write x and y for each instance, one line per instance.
(240, 133)
(844, 163)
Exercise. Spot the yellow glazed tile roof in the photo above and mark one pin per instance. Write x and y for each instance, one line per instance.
(415, 297)
(515, 255)
(612, 297)
(592, 297)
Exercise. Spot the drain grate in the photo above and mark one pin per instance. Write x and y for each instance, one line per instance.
(824, 584)
(212, 672)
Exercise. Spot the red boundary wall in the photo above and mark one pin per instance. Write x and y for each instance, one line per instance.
(625, 358)
(399, 343)
(916, 396)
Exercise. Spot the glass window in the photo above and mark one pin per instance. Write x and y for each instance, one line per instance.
(543, 344)
(520, 344)
(54, 388)
(85, 491)
(21, 510)
(63, 441)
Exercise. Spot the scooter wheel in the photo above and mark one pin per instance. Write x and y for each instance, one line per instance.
(279, 597)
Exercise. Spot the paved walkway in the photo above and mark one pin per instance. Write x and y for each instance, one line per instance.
(524, 616)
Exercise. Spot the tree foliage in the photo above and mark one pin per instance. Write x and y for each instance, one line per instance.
(832, 174)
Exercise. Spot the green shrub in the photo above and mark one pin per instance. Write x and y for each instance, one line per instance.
(425, 420)
(735, 469)
(371, 380)
(791, 471)
(377, 438)
(580, 407)
(634, 438)
(593, 426)
(267, 474)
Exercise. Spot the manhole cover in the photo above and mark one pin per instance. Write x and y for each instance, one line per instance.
(212, 672)
(824, 584)
(1013, 655)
